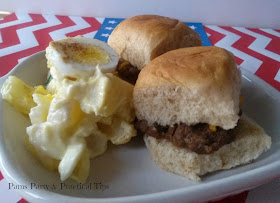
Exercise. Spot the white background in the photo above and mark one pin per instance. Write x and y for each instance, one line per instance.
(250, 13)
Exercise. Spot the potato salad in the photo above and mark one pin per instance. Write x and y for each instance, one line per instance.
(82, 107)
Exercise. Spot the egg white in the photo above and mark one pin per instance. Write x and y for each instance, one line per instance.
(55, 53)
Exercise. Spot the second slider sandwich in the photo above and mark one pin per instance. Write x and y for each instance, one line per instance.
(140, 39)
(187, 105)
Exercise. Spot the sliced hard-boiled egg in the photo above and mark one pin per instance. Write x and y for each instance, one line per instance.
(79, 56)
(70, 159)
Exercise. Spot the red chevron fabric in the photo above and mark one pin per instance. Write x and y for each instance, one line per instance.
(1, 176)
(257, 50)
(22, 35)
(8, 18)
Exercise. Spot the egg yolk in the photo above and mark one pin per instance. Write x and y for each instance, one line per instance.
(84, 54)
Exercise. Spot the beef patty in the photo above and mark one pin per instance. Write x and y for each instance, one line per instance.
(198, 138)
(127, 72)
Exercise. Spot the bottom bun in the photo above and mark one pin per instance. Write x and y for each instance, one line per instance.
(250, 142)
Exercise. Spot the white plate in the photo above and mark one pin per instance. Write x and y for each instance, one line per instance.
(128, 170)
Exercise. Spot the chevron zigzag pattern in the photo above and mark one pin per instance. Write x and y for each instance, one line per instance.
(22, 35)
(257, 50)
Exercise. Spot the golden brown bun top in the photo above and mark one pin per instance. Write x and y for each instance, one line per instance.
(190, 67)
(189, 85)
(140, 39)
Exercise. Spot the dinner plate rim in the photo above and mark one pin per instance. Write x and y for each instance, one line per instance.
(254, 177)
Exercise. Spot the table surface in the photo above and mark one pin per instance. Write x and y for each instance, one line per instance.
(257, 50)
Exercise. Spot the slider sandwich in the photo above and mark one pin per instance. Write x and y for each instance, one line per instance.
(187, 106)
(140, 39)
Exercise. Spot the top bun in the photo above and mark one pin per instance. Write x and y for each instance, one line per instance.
(190, 85)
(142, 38)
